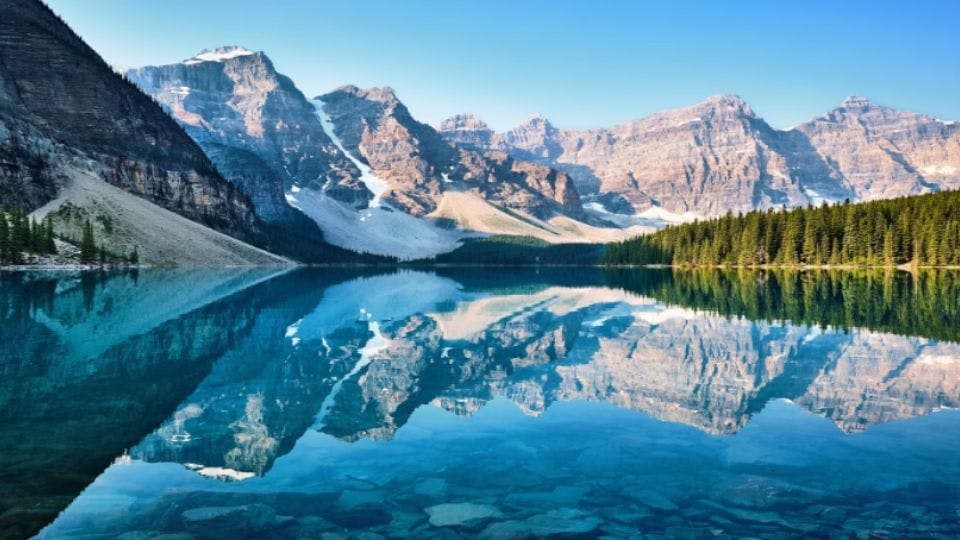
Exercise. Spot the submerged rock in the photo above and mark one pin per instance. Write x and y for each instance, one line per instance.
(651, 499)
(563, 521)
(455, 514)
(235, 521)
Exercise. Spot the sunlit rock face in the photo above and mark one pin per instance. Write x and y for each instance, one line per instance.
(419, 165)
(719, 155)
(884, 153)
(258, 128)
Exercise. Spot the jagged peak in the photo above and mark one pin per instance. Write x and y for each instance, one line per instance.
(856, 102)
(535, 120)
(727, 100)
(463, 121)
(731, 99)
(383, 94)
(219, 54)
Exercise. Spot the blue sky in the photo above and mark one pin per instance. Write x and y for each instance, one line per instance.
(580, 63)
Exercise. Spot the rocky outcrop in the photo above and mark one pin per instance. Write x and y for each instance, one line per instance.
(418, 165)
(256, 126)
(884, 153)
(719, 155)
(467, 131)
(62, 104)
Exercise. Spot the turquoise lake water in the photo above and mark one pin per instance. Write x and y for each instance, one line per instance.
(491, 403)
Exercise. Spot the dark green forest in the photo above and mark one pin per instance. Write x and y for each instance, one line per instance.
(501, 250)
(19, 235)
(924, 303)
(923, 230)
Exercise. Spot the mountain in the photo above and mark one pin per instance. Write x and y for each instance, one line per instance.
(355, 161)
(884, 153)
(415, 161)
(67, 118)
(718, 155)
(258, 129)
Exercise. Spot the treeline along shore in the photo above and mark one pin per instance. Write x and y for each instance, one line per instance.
(920, 230)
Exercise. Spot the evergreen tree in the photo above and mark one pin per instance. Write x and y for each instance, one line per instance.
(88, 247)
(49, 245)
(889, 250)
(922, 229)
(4, 239)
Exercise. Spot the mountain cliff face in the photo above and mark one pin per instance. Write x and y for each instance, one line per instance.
(256, 126)
(418, 165)
(64, 111)
(884, 153)
(719, 155)
(354, 161)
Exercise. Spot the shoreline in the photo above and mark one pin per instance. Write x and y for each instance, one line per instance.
(798, 268)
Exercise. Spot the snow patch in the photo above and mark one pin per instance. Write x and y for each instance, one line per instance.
(379, 230)
(374, 346)
(180, 90)
(661, 315)
(376, 185)
(930, 359)
(220, 473)
(218, 55)
(655, 216)
(934, 170)
(658, 212)
(816, 198)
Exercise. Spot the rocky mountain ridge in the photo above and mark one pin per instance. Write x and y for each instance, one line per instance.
(719, 155)
(357, 163)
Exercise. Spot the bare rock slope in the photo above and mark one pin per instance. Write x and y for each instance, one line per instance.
(63, 109)
(719, 155)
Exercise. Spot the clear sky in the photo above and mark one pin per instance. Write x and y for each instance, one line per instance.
(580, 63)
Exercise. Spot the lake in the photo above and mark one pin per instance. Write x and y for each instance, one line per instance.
(491, 403)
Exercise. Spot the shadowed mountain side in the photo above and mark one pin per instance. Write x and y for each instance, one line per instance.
(56, 90)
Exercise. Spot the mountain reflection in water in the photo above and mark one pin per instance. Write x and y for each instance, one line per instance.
(680, 403)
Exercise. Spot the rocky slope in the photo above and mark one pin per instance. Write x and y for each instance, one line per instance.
(355, 161)
(718, 155)
(255, 125)
(884, 153)
(418, 165)
(63, 107)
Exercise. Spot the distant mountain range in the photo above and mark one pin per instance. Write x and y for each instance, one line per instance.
(255, 159)
(718, 155)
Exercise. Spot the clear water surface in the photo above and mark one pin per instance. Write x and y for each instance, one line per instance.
(479, 403)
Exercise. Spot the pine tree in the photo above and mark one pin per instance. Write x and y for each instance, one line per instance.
(923, 230)
(889, 250)
(4, 239)
(19, 236)
(50, 246)
(88, 247)
(135, 256)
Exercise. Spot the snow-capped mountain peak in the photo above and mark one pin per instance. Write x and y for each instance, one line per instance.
(219, 54)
